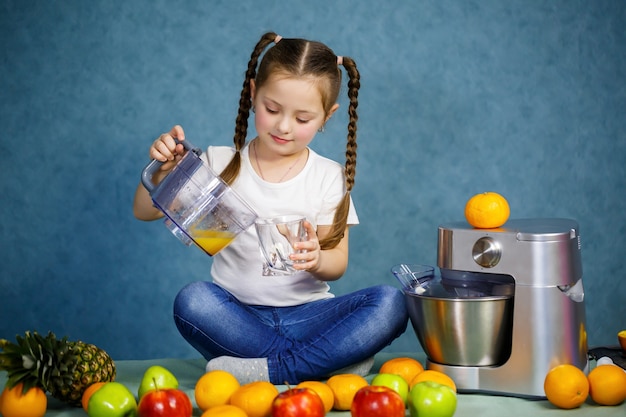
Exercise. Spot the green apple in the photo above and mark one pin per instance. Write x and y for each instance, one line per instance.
(395, 382)
(157, 377)
(112, 400)
(432, 399)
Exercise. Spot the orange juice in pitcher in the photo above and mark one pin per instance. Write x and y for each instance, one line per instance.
(212, 241)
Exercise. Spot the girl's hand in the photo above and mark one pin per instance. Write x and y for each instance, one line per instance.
(165, 148)
(309, 259)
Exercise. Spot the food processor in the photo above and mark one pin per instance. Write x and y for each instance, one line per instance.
(199, 206)
(507, 306)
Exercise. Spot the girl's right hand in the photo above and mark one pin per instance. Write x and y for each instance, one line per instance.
(166, 150)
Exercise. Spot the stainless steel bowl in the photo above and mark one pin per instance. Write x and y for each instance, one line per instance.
(463, 328)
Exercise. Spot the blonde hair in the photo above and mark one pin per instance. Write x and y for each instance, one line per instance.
(300, 57)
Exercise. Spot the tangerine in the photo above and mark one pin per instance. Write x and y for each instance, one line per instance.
(321, 389)
(434, 376)
(15, 403)
(344, 387)
(566, 386)
(607, 385)
(487, 210)
(407, 368)
(215, 388)
(255, 398)
(225, 410)
(621, 337)
(89, 392)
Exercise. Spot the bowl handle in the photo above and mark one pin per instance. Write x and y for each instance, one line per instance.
(412, 276)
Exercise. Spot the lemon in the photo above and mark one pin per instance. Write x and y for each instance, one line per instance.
(215, 388)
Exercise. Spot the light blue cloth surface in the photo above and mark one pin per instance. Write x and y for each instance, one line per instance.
(188, 371)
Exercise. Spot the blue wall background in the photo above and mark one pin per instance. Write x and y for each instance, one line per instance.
(526, 98)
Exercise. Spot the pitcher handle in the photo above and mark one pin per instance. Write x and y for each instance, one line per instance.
(154, 165)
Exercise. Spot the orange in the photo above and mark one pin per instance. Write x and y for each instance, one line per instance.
(225, 410)
(487, 210)
(215, 388)
(255, 398)
(407, 368)
(621, 337)
(321, 389)
(89, 392)
(16, 404)
(344, 388)
(566, 386)
(607, 385)
(435, 376)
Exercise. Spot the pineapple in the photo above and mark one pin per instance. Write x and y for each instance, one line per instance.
(63, 368)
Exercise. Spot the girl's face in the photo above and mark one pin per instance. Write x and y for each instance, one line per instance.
(288, 112)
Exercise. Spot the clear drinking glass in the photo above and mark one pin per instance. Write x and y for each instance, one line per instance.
(277, 236)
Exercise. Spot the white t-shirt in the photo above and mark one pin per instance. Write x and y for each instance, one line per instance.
(313, 193)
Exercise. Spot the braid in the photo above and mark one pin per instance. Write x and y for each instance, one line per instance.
(354, 83)
(245, 103)
(341, 214)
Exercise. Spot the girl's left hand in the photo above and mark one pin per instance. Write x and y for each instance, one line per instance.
(309, 258)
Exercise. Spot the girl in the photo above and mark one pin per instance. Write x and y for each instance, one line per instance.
(284, 329)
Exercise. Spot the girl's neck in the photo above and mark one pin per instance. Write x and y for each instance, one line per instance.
(276, 168)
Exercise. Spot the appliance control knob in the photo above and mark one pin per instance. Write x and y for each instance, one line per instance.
(486, 252)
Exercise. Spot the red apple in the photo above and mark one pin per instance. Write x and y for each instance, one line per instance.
(377, 401)
(170, 402)
(298, 402)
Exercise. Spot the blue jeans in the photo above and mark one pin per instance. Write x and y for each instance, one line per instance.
(303, 342)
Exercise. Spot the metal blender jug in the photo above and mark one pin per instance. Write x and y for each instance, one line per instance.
(199, 206)
(461, 319)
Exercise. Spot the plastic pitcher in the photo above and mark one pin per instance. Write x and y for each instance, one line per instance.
(199, 206)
